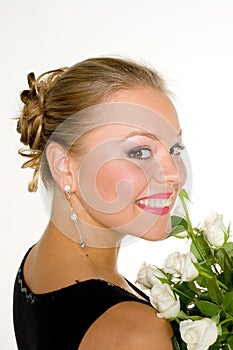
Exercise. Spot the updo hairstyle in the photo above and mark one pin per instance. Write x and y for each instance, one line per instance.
(56, 95)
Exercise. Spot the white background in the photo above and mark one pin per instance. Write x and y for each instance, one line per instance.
(190, 42)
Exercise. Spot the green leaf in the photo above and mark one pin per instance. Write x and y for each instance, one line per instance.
(223, 259)
(228, 302)
(176, 230)
(204, 269)
(179, 224)
(226, 264)
(201, 281)
(214, 291)
(201, 249)
(178, 221)
(207, 308)
(219, 329)
(216, 319)
(216, 346)
(186, 294)
(229, 248)
(184, 193)
(182, 315)
(222, 337)
(230, 342)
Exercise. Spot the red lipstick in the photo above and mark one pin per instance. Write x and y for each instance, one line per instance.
(157, 204)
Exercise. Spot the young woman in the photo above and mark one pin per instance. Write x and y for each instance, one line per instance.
(106, 140)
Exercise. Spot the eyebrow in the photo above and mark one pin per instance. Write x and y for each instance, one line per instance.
(147, 134)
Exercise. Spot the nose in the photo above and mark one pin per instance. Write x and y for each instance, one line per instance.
(170, 169)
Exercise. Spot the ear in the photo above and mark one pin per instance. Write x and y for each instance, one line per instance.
(61, 166)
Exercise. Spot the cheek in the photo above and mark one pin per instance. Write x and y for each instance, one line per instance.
(120, 178)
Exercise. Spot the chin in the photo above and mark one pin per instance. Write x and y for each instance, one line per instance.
(152, 238)
(160, 231)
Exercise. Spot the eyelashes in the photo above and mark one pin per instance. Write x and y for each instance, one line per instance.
(140, 153)
(144, 152)
(176, 149)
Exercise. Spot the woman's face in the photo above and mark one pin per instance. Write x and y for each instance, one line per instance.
(129, 176)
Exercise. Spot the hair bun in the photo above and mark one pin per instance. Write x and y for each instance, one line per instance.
(31, 94)
(30, 125)
(31, 120)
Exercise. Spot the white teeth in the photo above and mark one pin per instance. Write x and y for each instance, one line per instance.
(156, 202)
(161, 203)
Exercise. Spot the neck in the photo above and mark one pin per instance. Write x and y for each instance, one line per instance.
(100, 259)
(81, 230)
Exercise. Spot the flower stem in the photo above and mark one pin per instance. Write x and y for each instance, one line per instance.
(190, 226)
(226, 320)
(222, 285)
(181, 293)
(203, 273)
(182, 198)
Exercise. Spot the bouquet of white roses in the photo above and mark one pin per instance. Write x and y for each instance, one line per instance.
(195, 290)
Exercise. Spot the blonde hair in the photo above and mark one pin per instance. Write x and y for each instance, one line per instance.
(56, 95)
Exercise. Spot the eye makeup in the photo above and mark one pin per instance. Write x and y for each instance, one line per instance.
(176, 149)
(140, 152)
(144, 146)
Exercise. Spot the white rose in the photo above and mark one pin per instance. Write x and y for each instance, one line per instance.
(147, 276)
(165, 301)
(213, 229)
(200, 334)
(189, 272)
(181, 265)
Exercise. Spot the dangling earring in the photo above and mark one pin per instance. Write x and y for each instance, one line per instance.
(73, 216)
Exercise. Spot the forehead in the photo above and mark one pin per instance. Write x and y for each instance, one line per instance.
(148, 98)
(124, 112)
(122, 132)
(135, 112)
(151, 127)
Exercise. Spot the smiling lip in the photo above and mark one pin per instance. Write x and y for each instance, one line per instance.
(158, 195)
(158, 204)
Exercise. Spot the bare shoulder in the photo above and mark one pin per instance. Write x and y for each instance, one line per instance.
(128, 325)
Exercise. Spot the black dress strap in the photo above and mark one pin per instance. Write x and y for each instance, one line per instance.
(59, 319)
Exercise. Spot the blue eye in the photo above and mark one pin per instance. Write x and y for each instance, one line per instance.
(176, 149)
(140, 153)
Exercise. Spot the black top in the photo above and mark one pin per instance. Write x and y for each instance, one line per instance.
(59, 319)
